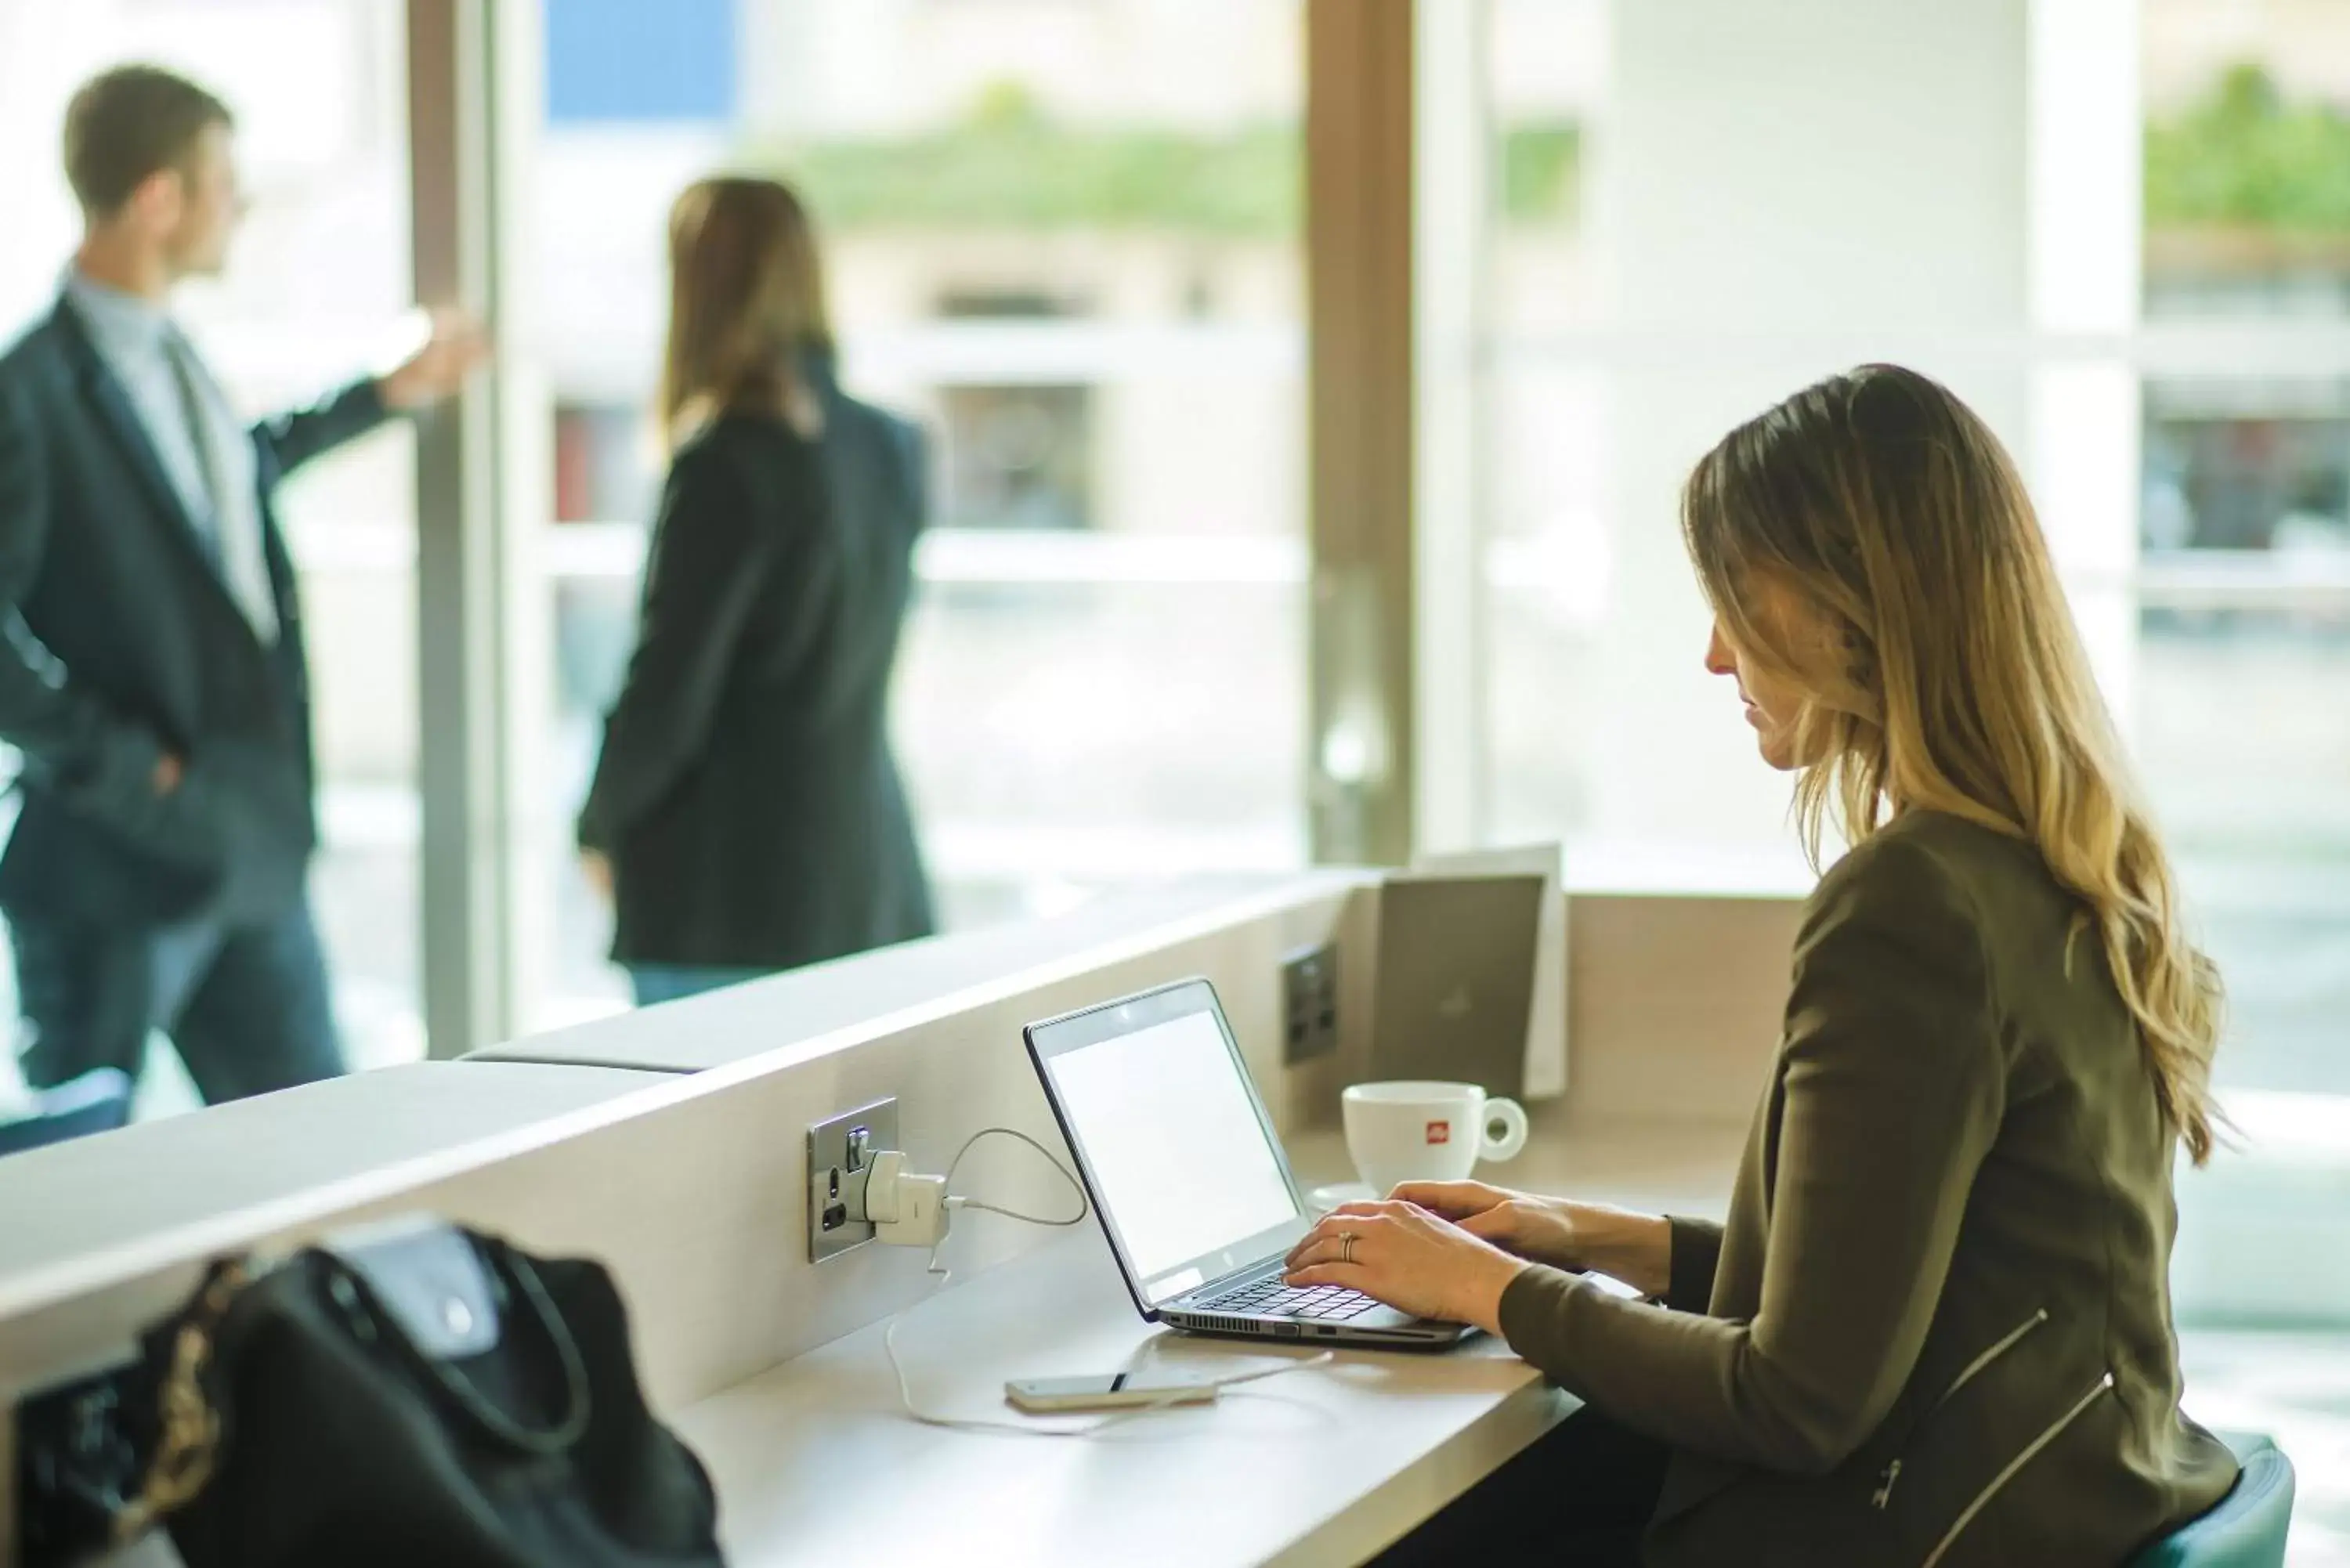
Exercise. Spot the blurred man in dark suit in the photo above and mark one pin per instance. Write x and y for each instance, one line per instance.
(152, 671)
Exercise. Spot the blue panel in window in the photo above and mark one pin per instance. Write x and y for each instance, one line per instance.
(634, 61)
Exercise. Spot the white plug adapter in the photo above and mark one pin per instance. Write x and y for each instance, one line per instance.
(907, 1209)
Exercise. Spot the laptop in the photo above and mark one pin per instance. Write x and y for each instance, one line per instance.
(1194, 1190)
(1456, 980)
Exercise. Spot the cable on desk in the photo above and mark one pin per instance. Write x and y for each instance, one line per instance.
(1028, 1429)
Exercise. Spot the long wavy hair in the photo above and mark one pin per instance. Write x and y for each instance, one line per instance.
(746, 305)
(1940, 670)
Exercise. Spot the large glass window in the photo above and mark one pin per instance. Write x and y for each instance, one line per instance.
(2244, 598)
(1065, 238)
(313, 296)
(1618, 334)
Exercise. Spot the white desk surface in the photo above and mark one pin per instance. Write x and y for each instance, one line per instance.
(815, 1461)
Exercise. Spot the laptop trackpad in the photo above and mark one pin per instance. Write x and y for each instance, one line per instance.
(1381, 1317)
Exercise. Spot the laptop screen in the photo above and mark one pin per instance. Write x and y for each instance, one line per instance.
(1169, 1129)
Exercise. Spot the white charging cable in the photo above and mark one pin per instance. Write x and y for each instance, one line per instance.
(911, 1210)
(1085, 1209)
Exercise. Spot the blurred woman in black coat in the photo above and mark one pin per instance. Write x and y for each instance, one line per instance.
(746, 810)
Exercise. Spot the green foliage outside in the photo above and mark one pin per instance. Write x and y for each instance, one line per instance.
(1008, 165)
(2241, 156)
(1541, 173)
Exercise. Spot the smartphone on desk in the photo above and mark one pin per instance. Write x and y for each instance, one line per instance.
(1111, 1391)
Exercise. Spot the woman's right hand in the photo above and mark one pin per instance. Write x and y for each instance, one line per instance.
(1633, 1247)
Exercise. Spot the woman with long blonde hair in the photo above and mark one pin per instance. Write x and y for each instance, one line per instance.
(1936, 1329)
(746, 814)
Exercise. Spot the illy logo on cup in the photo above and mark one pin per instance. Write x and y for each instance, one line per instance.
(1423, 1130)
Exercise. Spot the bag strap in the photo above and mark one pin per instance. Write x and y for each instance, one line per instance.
(188, 1443)
(369, 1319)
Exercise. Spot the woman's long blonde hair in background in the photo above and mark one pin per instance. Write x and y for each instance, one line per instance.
(746, 305)
(1942, 671)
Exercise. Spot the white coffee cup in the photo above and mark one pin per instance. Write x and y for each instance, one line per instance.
(1424, 1131)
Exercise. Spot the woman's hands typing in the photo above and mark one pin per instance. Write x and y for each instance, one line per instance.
(1449, 1249)
(1401, 1254)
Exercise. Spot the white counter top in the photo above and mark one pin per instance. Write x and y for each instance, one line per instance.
(817, 1462)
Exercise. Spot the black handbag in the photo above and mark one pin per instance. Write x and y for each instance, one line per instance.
(418, 1394)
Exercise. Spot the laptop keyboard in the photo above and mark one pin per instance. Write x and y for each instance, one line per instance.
(1271, 1298)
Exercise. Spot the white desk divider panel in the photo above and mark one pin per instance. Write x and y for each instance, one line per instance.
(78, 1213)
(1675, 1004)
(745, 1020)
(1673, 1001)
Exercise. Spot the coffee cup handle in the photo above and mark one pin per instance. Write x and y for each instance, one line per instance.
(1512, 1116)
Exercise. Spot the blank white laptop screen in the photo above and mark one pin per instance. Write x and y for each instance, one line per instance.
(1174, 1145)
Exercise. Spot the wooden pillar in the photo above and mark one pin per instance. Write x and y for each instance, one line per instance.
(1358, 259)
